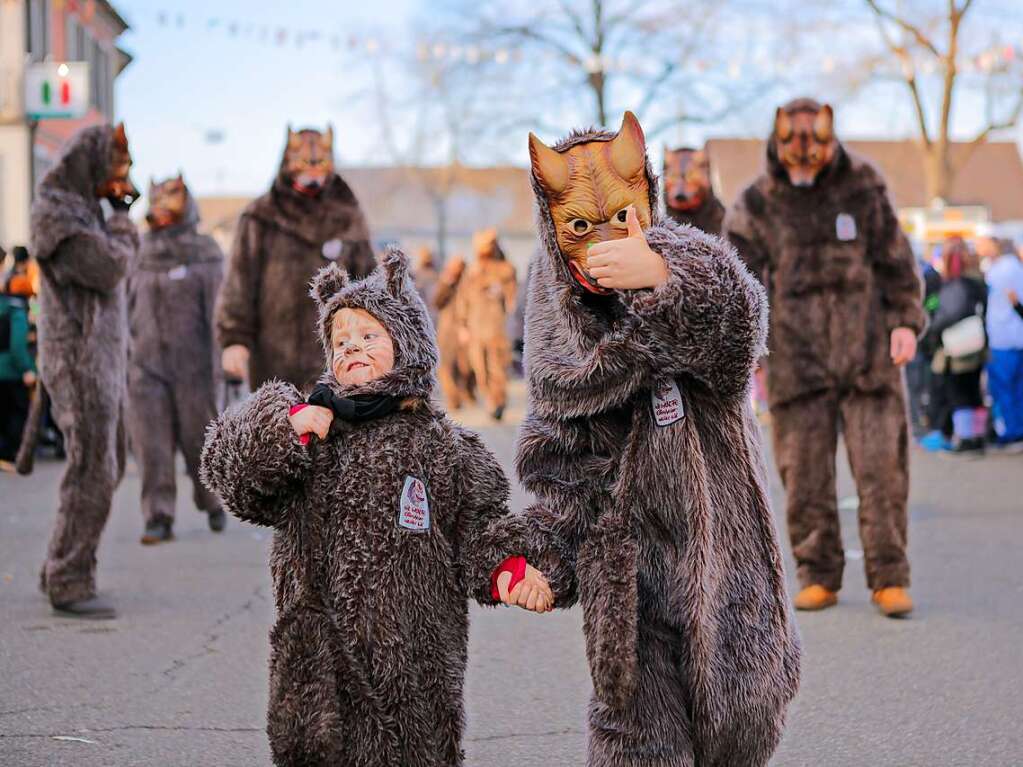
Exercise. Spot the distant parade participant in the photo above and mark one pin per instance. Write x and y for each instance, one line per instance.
(85, 243)
(426, 275)
(489, 293)
(310, 217)
(454, 370)
(173, 367)
(818, 229)
(688, 192)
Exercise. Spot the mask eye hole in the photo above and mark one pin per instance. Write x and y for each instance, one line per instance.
(580, 225)
(621, 216)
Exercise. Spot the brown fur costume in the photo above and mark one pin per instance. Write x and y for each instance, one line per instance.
(173, 366)
(82, 349)
(369, 649)
(283, 238)
(663, 533)
(840, 279)
(454, 370)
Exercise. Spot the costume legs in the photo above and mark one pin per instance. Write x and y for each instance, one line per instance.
(195, 407)
(152, 430)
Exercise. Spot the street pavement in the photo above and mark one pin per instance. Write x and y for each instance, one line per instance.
(180, 678)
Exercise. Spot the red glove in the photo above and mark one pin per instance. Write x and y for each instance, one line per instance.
(514, 565)
(304, 439)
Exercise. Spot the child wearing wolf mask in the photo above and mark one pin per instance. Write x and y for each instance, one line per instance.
(642, 450)
(385, 523)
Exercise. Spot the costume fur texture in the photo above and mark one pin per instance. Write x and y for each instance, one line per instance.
(173, 368)
(708, 217)
(665, 533)
(83, 334)
(283, 239)
(840, 277)
(369, 649)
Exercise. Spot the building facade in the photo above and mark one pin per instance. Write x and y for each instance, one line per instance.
(36, 31)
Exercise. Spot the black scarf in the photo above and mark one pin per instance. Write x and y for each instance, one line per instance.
(361, 407)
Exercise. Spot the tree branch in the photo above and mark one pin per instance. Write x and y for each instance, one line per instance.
(913, 30)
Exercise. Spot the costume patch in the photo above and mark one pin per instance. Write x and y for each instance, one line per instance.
(667, 403)
(332, 249)
(414, 509)
(845, 227)
(178, 272)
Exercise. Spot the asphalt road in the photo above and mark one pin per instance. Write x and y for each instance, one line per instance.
(180, 678)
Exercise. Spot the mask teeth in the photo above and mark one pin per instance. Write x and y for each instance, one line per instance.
(586, 281)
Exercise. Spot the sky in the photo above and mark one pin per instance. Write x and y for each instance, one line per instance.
(214, 100)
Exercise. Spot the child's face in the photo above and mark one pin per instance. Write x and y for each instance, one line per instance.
(362, 348)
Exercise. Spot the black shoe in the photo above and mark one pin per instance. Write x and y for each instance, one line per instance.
(91, 609)
(498, 413)
(217, 519)
(157, 531)
(974, 445)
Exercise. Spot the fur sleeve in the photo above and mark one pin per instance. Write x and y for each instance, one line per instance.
(95, 260)
(252, 458)
(897, 273)
(709, 320)
(238, 301)
(739, 228)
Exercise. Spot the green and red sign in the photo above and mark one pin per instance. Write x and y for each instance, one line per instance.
(57, 90)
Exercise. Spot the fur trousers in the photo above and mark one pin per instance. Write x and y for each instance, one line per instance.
(162, 419)
(490, 359)
(805, 434)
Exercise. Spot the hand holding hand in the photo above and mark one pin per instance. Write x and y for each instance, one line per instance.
(312, 420)
(903, 346)
(533, 592)
(627, 264)
(235, 361)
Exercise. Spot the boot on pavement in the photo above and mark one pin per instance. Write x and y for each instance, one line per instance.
(815, 597)
(91, 609)
(157, 531)
(893, 601)
(217, 520)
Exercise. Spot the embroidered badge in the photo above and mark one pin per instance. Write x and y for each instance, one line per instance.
(331, 249)
(178, 272)
(667, 403)
(414, 509)
(845, 227)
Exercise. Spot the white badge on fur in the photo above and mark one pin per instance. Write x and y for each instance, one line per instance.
(845, 227)
(414, 509)
(332, 249)
(667, 402)
(178, 272)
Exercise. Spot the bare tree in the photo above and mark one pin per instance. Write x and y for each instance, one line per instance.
(922, 44)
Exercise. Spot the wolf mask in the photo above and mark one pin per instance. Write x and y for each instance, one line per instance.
(309, 159)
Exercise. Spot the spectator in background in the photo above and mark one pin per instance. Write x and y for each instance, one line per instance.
(17, 376)
(918, 371)
(1005, 336)
(23, 278)
(956, 409)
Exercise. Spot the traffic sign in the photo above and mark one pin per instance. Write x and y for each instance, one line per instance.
(57, 90)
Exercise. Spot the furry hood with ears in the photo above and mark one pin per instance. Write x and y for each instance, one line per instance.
(389, 294)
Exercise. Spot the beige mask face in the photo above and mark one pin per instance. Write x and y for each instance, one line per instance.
(309, 159)
(362, 349)
(805, 142)
(589, 188)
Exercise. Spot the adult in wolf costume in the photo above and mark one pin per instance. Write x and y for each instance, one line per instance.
(84, 251)
(383, 528)
(642, 449)
(172, 369)
(846, 310)
(688, 192)
(489, 292)
(308, 218)
(454, 370)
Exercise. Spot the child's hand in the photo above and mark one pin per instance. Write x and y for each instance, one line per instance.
(531, 593)
(312, 419)
(627, 264)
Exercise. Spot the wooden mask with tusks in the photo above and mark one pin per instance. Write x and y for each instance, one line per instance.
(589, 188)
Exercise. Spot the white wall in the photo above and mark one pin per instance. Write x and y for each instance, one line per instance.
(14, 134)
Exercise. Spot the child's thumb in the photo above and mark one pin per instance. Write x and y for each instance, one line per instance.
(632, 221)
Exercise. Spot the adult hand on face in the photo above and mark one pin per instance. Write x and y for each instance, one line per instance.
(235, 361)
(627, 264)
(903, 346)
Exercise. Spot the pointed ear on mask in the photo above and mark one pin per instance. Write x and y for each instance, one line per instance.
(294, 142)
(396, 270)
(628, 148)
(327, 141)
(328, 282)
(782, 125)
(824, 124)
(549, 167)
(120, 137)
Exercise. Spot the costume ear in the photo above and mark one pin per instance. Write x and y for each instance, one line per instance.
(628, 148)
(396, 268)
(120, 137)
(294, 141)
(824, 124)
(549, 167)
(327, 141)
(328, 282)
(782, 125)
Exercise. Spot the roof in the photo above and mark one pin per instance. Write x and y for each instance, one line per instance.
(992, 176)
(117, 18)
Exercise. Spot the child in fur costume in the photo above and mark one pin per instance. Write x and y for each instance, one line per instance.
(385, 522)
(644, 454)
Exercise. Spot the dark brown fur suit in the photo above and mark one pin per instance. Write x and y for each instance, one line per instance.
(281, 242)
(82, 348)
(707, 218)
(664, 533)
(369, 649)
(834, 304)
(173, 366)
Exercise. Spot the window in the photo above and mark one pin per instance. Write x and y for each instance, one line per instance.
(71, 49)
(37, 29)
